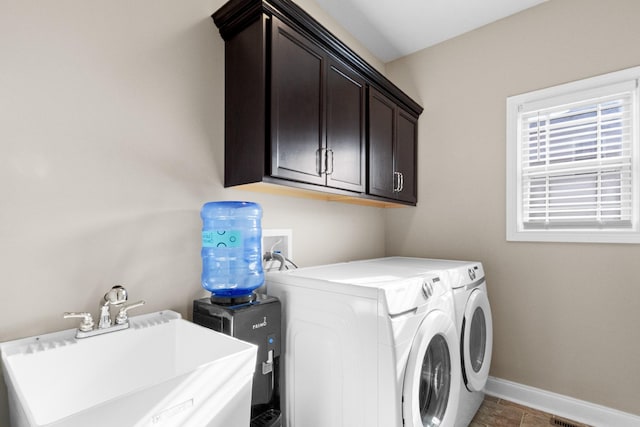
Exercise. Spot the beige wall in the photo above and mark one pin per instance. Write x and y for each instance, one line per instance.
(111, 140)
(566, 316)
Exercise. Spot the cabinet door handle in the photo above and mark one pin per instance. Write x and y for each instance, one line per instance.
(321, 161)
(401, 185)
(327, 170)
(396, 182)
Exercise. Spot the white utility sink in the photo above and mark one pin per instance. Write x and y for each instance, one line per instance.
(162, 371)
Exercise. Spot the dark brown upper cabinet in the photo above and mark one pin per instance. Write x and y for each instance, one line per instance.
(297, 112)
(317, 114)
(392, 150)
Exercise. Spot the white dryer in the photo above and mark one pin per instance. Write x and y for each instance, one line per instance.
(473, 320)
(475, 327)
(367, 344)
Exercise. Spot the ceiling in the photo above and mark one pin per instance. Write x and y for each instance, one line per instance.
(391, 29)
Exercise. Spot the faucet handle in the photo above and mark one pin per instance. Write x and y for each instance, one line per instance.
(122, 313)
(87, 320)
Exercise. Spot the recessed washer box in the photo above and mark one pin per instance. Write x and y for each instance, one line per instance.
(278, 240)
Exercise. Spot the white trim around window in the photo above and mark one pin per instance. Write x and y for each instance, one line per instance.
(573, 161)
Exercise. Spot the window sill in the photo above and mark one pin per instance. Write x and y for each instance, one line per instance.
(575, 236)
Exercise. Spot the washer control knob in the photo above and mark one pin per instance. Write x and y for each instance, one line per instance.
(427, 288)
(472, 274)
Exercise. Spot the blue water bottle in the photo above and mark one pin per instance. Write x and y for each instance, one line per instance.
(231, 250)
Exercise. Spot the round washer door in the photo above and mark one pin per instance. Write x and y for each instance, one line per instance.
(477, 340)
(432, 377)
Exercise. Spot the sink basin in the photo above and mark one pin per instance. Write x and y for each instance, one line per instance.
(162, 371)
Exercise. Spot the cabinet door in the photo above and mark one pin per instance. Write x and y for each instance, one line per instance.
(297, 106)
(392, 150)
(381, 136)
(345, 129)
(405, 157)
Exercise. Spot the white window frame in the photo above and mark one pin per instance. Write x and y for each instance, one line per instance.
(574, 91)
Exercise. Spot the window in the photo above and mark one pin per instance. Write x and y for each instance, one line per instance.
(573, 162)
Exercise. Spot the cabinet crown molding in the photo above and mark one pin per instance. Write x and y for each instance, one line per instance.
(236, 15)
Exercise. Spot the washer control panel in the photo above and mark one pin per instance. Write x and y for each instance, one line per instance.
(430, 286)
(427, 288)
(407, 295)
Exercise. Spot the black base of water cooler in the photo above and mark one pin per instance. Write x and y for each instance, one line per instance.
(256, 321)
(270, 418)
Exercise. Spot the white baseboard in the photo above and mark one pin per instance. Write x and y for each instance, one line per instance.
(557, 404)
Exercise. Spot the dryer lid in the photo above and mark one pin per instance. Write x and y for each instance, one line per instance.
(457, 273)
(399, 289)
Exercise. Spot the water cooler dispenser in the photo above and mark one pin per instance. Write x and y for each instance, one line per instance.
(257, 322)
(232, 271)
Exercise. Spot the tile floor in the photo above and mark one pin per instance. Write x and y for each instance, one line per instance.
(496, 412)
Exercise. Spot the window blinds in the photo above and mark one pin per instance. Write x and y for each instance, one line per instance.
(576, 159)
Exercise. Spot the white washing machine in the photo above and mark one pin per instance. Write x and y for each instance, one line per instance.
(474, 323)
(367, 344)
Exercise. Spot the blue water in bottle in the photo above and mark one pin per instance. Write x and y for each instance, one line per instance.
(231, 248)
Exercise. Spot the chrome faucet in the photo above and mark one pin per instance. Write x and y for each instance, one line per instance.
(117, 297)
